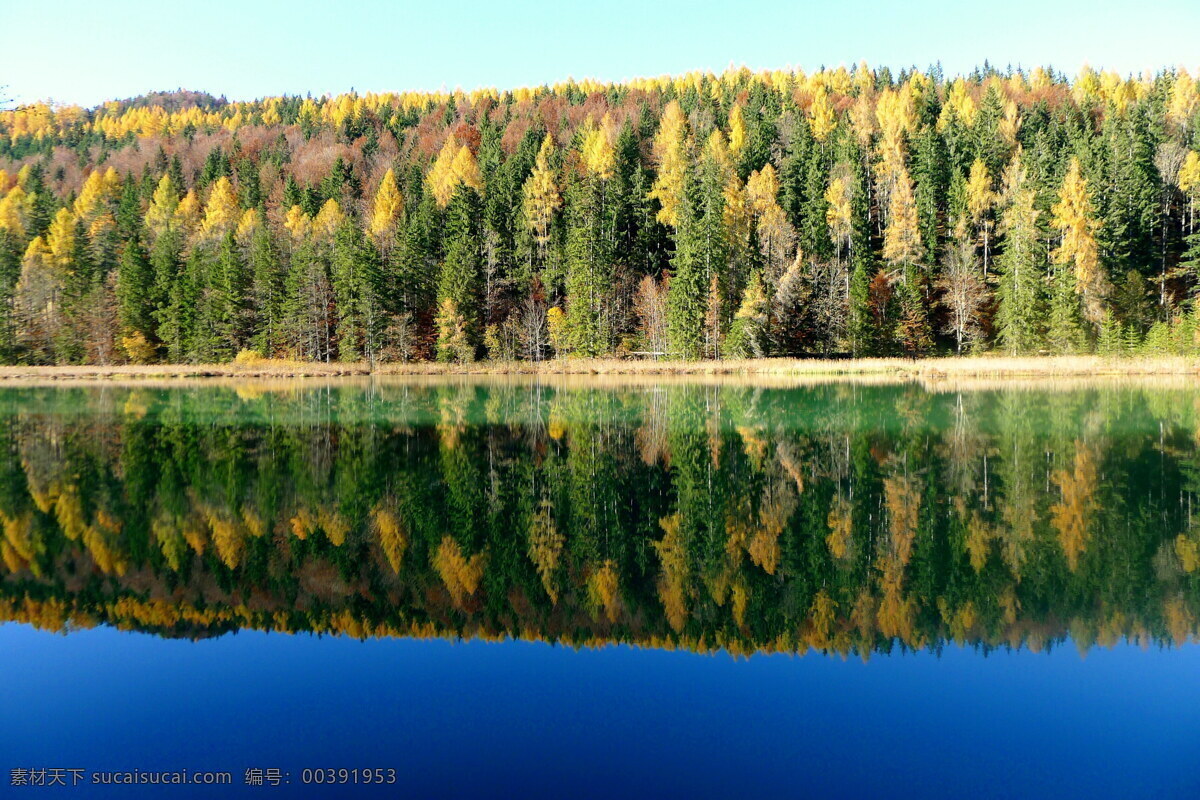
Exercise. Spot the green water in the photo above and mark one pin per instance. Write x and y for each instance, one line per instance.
(838, 517)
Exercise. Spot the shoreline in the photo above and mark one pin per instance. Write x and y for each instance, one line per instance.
(1003, 367)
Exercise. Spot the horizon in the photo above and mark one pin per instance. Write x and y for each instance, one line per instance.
(1054, 71)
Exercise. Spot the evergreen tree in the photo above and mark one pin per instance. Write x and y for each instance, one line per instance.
(135, 289)
(1021, 311)
(459, 279)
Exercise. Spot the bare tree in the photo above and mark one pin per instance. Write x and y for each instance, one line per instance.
(650, 305)
(964, 293)
(532, 332)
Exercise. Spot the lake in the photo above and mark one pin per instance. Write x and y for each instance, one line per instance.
(599, 588)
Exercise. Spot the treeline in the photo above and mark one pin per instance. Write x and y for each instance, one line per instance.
(741, 215)
(702, 517)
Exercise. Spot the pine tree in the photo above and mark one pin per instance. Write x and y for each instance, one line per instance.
(135, 287)
(1020, 315)
(700, 254)
(355, 282)
(266, 292)
(459, 279)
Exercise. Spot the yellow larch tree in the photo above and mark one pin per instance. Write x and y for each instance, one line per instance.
(981, 199)
(823, 119)
(1188, 180)
(297, 222)
(838, 216)
(97, 190)
(1077, 226)
(737, 130)
(455, 166)
(1184, 100)
(391, 533)
(386, 209)
(540, 196)
(60, 241)
(160, 216)
(221, 213)
(249, 223)
(596, 150)
(187, 213)
(670, 153)
(896, 115)
(902, 244)
(327, 221)
(14, 211)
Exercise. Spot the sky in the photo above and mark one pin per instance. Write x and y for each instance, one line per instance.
(85, 52)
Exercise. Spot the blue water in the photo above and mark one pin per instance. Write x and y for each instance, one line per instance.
(534, 720)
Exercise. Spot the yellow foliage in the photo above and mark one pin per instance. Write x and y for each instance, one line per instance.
(599, 158)
(823, 119)
(187, 214)
(603, 588)
(460, 575)
(1189, 176)
(841, 528)
(455, 166)
(540, 195)
(328, 220)
(1181, 622)
(393, 538)
(822, 616)
(979, 541)
(297, 222)
(962, 103)
(221, 213)
(97, 189)
(1077, 224)
(14, 211)
(902, 499)
(838, 214)
(902, 236)
(20, 550)
(160, 216)
(737, 130)
(556, 326)
(335, 526)
(248, 225)
(1072, 516)
(1184, 100)
(673, 581)
(137, 349)
(387, 207)
(545, 547)
(980, 197)
(60, 241)
(1188, 552)
(671, 157)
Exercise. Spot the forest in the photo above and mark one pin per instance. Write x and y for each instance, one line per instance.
(748, 214)
(839, 518)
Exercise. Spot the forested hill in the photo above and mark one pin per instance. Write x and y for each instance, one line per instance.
(746, 214)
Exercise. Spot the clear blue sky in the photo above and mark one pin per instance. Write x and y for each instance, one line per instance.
(86, 52)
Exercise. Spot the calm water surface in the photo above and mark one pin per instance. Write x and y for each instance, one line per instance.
(571, 590)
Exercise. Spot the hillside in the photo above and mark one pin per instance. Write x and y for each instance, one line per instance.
(740, 215)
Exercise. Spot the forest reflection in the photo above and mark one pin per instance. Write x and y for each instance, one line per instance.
(840, 518)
